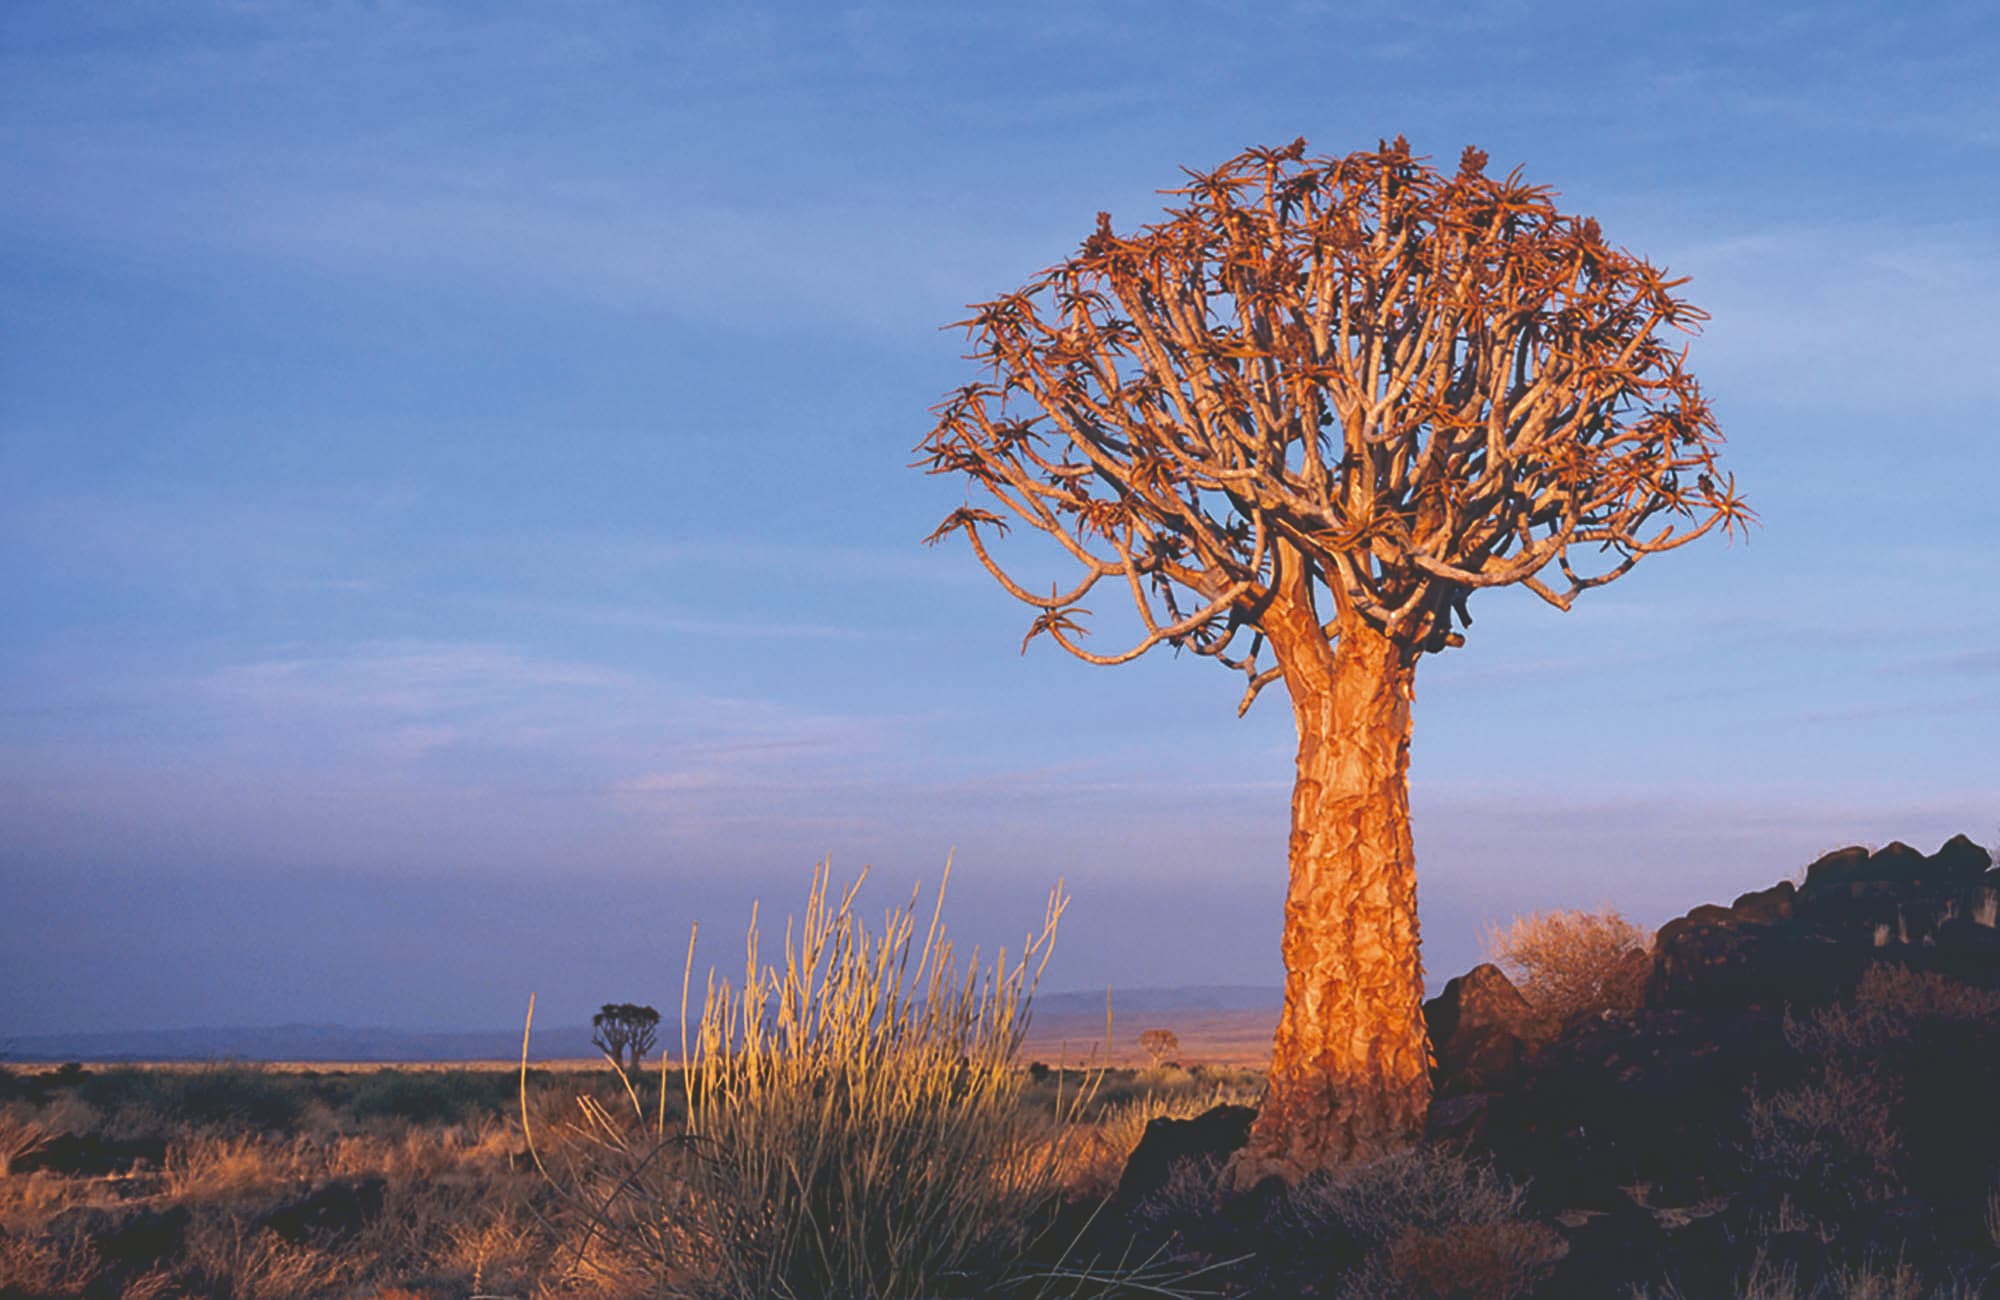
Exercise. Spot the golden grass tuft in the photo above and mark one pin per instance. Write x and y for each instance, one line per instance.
(856, 1124)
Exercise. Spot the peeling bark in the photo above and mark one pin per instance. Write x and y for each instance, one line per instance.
(1350, 1074)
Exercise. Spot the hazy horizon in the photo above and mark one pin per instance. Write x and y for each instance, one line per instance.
(457, 530)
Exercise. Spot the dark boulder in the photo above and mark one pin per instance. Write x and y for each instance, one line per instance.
(91, 1155)
(1482, 1031)
(1765, 906)
(130, 1239)
(1894, 895)
(338, 1207)
(1210, 1138)
(1713, 962)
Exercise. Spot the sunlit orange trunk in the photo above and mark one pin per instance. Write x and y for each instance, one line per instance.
(1350, 1067)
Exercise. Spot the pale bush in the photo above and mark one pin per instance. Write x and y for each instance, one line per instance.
(1569, 962)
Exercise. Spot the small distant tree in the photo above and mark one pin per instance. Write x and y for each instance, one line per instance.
(1160, 1045)
(1297, 424)
(625, 1032)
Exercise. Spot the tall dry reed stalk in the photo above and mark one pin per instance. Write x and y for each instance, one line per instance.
(856, 1117)
(856, 1126)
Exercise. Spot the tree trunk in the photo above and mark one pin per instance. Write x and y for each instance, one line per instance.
(1350, 1068)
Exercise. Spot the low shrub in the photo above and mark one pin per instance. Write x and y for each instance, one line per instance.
(431, 1096)
(1569, 962)
(1872, 1116)
(1422, 1218)
(226, 1094)
(1480, 1261)
(1829, 1143)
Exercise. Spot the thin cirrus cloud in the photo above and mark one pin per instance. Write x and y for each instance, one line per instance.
(497, 698)
(1892, 314)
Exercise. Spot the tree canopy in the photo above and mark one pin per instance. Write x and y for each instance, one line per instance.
(1413, 384)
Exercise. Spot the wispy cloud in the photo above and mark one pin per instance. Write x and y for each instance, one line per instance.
(407, 678)
(1886, 317)
(1954, 663)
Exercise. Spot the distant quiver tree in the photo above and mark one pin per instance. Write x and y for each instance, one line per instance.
(1297, 424)
(1159, 1045)
(625, 1032)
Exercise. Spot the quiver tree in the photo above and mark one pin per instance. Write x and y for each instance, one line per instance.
(1297, 424)
(625, 1032)
(1159, 1045)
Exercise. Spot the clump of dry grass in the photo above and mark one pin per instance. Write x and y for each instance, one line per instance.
(859, 1128)
(1569, 962)
(19, 1136)
(855, 1126)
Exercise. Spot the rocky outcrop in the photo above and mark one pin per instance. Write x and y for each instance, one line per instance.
(1808, 945)
(1482, 1033)
(1687, 1140)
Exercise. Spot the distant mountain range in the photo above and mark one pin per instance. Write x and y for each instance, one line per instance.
(295, 1043)
(1226, 1018)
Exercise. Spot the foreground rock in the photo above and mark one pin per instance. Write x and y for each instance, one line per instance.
(1188, 1147)
(1482, 1032)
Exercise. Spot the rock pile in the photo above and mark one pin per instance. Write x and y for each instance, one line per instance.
(1852, 1016)
(1808, 945)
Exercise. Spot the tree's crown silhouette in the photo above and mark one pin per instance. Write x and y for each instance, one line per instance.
(1410, 384)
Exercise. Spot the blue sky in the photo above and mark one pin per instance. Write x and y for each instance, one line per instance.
(456, 524)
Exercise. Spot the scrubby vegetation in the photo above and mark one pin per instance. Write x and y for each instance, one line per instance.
(857, 1124)
(157, 1181)
(240, 1180)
